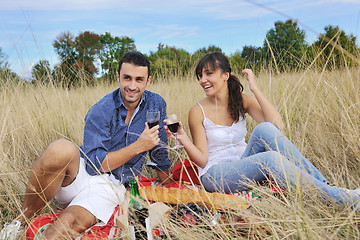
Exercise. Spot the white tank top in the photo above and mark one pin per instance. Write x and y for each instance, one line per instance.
(225, 143)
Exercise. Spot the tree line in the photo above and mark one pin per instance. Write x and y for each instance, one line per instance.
(90, 55)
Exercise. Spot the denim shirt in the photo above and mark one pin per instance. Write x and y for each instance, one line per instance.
(106, 131)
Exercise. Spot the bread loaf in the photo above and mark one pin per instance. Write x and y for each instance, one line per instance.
(185, 196)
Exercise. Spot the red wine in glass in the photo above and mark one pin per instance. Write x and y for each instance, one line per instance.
(173, 127)
(153, 124)
(152, 118)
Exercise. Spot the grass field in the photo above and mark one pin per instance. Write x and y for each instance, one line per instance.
(320, 109)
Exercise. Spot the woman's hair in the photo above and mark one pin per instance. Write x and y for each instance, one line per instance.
(218, 60)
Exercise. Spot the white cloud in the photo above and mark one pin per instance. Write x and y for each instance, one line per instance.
(98, 4)
(252, 9)
(190, 24)
(56, 4)
(174, 30)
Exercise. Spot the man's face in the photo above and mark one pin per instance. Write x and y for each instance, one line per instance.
(133, 80)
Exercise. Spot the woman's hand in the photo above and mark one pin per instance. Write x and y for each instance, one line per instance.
(251, 79)
(168, 132)
(180, 132)
(260, 108)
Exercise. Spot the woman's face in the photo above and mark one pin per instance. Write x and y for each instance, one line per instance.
(213, 80)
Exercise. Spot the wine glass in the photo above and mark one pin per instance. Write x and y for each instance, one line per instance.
(152, 118)
(173, 125)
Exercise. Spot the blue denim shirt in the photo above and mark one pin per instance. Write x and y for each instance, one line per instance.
(106, 131)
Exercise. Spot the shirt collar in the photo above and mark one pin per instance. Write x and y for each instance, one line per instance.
(119, 102)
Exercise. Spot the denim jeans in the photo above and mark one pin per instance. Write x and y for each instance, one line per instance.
(270, 154)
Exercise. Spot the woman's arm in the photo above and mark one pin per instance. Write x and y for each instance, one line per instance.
(196, 149)
(260, 108)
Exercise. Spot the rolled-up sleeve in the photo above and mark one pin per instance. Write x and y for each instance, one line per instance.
(159, 154)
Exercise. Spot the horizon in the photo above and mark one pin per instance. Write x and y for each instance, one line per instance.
(28, 29)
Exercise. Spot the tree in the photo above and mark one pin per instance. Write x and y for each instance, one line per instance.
(285, 45)
(41, 71)
(65, 46)
(113, 50)
(66, 72)
(169, 60)
(251, 57)
(237, 62)
(335, 48)
(6, 73)
(87, 46)
(77, 57)
(251, 54)
(202, 51)
(3, 61)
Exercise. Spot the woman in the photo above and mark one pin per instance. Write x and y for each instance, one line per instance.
(218, 128)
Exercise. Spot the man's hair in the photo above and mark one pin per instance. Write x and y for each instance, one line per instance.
(135, 58)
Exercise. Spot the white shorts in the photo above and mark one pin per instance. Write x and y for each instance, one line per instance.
(98, 194)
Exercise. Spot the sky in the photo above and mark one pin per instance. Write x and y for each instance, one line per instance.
(28, 28)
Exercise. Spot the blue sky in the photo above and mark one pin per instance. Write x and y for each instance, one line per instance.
(29, 27)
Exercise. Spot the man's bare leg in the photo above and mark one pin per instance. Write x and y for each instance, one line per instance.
(72, 221)
(57, 167)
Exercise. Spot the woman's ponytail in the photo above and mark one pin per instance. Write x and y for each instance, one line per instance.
(235, 102)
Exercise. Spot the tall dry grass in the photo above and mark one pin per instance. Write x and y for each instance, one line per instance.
(321, 111)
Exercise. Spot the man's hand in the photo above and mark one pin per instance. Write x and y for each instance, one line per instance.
(149, 138)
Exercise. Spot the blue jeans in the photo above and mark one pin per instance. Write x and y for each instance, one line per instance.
(270, 154)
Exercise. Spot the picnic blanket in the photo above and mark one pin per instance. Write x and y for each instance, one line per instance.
(185, 189)
(39, 224)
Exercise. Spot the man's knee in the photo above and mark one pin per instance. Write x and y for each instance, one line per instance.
(63, 147)
(59, 154)
(71, 222)
(76, 218)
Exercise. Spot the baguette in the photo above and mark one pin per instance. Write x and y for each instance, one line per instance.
(185, 196)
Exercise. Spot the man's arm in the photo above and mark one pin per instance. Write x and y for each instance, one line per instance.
(148, 139)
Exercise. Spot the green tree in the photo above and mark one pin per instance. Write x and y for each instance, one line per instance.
(252, 56)
(197, 55)
(335, 48)
(285, 45)
(66, 72)
(113, 50)
(41, 71)
(77, 56)
(237, 62)
(6, 74)
(65, 46)
(3, 62)
(169, 60)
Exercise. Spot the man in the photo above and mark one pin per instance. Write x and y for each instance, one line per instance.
(116, 139)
